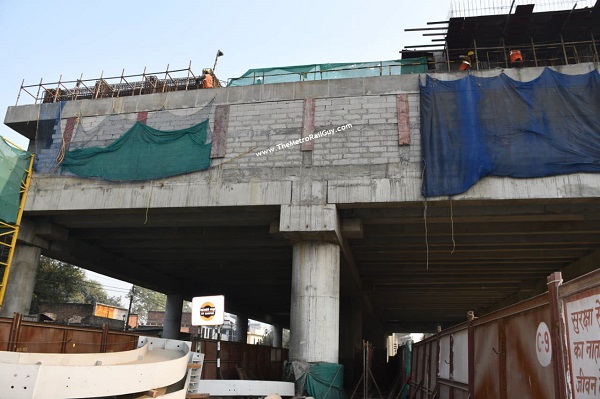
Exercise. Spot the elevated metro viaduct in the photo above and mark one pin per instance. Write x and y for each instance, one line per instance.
(330, 237)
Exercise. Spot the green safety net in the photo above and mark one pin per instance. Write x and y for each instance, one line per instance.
(144, 153)
(310, 72)
(14, 164)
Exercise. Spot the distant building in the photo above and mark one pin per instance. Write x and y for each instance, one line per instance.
(87, 315)
(157, 318)
(256, 332)
(396, 340)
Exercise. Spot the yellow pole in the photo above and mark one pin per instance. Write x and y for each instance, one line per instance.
(24, 190)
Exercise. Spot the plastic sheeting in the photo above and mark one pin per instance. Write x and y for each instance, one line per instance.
(300, 73)
(476, 127)
(144, 153)
(14, 164)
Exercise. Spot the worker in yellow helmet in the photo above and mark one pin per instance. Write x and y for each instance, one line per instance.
(465, 65)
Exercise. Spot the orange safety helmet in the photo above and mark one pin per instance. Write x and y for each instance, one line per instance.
(515, 56)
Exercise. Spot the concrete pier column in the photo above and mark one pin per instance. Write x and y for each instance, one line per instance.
(315, 302)
(277, 336)
(241, 328)
(21, 280)
(173, 310)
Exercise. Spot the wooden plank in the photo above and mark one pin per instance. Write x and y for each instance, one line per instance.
(152, 393)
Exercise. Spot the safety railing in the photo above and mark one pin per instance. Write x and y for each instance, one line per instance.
(113, 86)
(533, 55)
(314, 72)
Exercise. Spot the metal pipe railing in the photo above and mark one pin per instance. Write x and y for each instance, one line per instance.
(114, 86)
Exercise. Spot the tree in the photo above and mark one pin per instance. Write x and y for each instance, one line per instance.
(60, 282)
(285, 339)
(145, 300)
(56, 282)
(91, 291)
(267, 338)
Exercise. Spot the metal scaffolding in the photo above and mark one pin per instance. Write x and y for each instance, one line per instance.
(546, 38)
(474, 8)
(114, 86)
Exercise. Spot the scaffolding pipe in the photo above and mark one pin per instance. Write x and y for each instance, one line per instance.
(19, 95)
(594, 46)
(507, 19)
(564, 48)
(143, 81)
(38, 92)
(57, 89)
(504, 52)
(475, 53)
(533, 51)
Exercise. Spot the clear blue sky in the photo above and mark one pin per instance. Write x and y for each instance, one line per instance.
(49, 38)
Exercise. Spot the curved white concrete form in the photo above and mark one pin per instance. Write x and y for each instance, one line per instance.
(155, 364)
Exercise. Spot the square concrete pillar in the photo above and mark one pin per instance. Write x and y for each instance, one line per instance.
(172, 322)
(315, 302)
(21, 280)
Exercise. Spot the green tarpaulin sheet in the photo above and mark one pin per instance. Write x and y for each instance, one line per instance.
(144, 153)
(320, 380)
(14, 164)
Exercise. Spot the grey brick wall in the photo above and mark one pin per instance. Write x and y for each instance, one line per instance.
(367, 148)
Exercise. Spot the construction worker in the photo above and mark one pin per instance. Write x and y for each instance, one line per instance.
(208, 81)
(516, 59)
(465, 65)
(466, 61)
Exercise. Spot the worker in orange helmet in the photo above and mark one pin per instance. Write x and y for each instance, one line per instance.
(516, 59)
(208, 81)
(465, 65)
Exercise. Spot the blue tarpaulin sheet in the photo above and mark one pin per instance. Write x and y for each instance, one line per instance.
(476, 127)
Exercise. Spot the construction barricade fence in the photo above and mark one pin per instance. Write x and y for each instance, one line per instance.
(545, 347)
